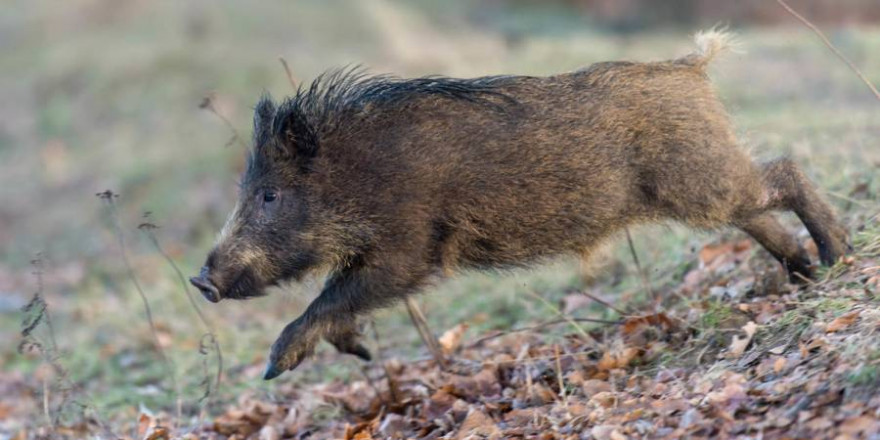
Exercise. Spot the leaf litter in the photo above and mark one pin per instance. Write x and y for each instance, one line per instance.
(765, 359)
(772, 361)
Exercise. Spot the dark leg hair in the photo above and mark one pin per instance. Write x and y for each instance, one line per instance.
(780, 243)
(790, 189)
(332, 315)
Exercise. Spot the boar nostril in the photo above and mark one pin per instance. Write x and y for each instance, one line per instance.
(209, 291)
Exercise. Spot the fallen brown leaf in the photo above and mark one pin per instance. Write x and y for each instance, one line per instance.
(604, 399)
(843, 321)
(860, 425)
(451, 339)
(145, 424)
(712, 252)
(779, 365)
(636, 323)
(478, 425)
(738, 345)
(158, 433)
(619, 357)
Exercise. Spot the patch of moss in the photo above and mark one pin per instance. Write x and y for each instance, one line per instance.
(868, 375)
(716, 313)
(835, 306)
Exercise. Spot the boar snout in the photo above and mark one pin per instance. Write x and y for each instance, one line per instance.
(204, 284)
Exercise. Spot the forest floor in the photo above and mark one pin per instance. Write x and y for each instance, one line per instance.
(734, 351)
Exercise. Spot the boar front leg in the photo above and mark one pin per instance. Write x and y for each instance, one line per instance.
(348, 294)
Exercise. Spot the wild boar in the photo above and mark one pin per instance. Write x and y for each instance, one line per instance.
(386, 182)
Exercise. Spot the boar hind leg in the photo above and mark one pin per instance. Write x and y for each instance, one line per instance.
(788, 188)
(332, 315)
(780, 243)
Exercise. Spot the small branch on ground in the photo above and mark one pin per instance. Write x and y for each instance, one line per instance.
(392, 385)
(830, 46)
(540, 326)
(288, 72)
(365, 372)
(559, 374)
(646, 283)
(418, 319)
(564, 316)
(529, 360)
(604, 303)
(209, 343)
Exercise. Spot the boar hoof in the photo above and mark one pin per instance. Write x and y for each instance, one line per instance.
(274, 368)
(296, 343)
(272, 371)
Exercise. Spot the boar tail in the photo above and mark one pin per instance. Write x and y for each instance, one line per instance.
(710, 44)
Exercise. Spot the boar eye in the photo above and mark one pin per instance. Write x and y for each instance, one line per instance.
(270, 196)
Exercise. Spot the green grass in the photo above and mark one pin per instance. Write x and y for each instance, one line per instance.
(715, 314)
(865, 376)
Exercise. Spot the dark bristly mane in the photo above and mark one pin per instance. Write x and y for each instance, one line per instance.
(316, 108)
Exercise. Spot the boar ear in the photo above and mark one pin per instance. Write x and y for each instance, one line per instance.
(296, 135)
(264, 113)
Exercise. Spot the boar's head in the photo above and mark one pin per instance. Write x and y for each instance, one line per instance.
(273, 234)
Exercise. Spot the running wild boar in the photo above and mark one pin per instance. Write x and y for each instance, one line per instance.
(387, 182)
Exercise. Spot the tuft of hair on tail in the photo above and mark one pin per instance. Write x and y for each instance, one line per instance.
(710, 44)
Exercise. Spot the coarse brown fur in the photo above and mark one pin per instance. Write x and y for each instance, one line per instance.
(390, 181)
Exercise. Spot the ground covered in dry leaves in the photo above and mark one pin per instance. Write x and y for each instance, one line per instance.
(732, 352)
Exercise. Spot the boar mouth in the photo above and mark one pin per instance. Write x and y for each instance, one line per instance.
(209, 291)
(245, 283)
(244, 286)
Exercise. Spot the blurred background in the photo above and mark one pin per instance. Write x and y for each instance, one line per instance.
(106, 94)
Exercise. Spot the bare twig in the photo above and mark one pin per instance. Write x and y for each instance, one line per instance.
(208, 104)
(562, 315)
(148, 229)
(540, 326)
(288, 72)
(559, 377)
(41, 286)
(604, 303)
(365, 373)
(830, 46)
(418, 319)
(642, 273)
(35, 312)
(392, 385)
(29, 325)
(528, 361)
(46, 404)
(108, 196)
(848, 199)
(209, 343)
(529, 383)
